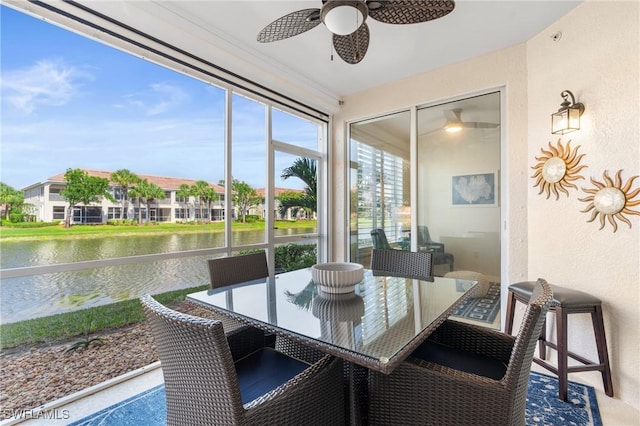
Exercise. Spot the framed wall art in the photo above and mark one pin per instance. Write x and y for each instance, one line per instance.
(475, 189)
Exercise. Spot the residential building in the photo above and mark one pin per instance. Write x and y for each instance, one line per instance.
(50, 205)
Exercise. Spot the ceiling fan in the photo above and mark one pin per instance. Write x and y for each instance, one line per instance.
(454, 122)
(346, 20)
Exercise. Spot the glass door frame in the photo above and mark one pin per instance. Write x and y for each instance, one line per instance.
(322, 211)
(504, 257)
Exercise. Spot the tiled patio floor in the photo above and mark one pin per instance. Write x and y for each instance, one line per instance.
(77, 406)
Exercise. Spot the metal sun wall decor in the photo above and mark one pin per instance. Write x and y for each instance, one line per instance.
(557, 168)
(611, 200)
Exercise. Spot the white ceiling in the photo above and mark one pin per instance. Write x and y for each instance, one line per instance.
(224, 33)
(395, 51)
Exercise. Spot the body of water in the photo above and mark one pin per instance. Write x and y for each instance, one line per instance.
(37, 296)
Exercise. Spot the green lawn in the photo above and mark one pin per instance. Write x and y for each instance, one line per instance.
(88, 231)
(80, 323)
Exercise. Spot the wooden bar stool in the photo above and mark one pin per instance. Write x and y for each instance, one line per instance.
(565, 302)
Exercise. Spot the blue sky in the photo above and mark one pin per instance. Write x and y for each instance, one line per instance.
(69, 101)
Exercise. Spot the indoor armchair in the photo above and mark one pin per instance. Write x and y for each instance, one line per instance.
(425, 243)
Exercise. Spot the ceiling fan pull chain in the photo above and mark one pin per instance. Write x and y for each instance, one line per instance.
(331, 52)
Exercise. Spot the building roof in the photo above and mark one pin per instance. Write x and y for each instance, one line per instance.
(278, 191)
(163, 182)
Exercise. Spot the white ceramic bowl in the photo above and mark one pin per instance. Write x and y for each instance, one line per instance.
(337, 277)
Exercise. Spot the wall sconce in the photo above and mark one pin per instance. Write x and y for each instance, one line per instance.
(567, 119)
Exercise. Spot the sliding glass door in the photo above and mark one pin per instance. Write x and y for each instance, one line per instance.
(458, 167)
(429, 178)
(380, 184)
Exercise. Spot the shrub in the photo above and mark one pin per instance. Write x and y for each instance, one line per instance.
(252, 218)
(16, 217)
(122, 222)
(29, 224)
(295, 256)
(291, 257)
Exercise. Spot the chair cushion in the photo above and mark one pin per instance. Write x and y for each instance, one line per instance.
(461, 360)
(264, 370)
(562, 296)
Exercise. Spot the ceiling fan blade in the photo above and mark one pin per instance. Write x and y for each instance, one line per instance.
(352, 47)
(479, 125)
(290, 25)
(408, 11)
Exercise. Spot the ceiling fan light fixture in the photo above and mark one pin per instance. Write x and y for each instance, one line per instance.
(453, 127)
(343, 17)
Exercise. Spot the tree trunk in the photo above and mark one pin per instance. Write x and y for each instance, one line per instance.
(124, 208)
(67, 220)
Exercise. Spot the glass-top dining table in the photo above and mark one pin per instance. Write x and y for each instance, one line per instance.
(377, 325)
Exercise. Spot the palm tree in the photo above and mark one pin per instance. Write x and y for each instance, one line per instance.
(185, 192)
(146, 192)
(305, 169)
(125, 179)
(10, 198)
(201, 190)
(210, 195)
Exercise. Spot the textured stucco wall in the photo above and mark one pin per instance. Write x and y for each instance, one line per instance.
(598, 59)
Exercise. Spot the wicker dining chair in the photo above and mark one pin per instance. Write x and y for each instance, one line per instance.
(462, 375)
(213, 378)
(408, 264)
(225, 271)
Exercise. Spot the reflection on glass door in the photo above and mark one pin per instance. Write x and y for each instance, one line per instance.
(380, 185)
(454, 210)
(458, 166)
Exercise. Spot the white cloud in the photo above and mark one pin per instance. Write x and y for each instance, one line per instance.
(46, 83)
(163, 97)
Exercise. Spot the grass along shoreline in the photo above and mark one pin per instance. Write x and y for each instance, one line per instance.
(55, 231)
(78, 324)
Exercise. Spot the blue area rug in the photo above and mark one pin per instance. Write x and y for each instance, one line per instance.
(483, 309)
(543, 407)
